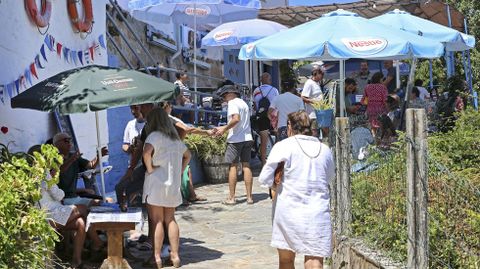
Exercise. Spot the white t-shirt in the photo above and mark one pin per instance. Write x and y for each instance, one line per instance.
(132, 130)
(312, 90)
(424, 94)
(286, 103)
(266, 90)
(241, 132)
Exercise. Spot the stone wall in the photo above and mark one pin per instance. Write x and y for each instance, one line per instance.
(161, 55)
(353, 254)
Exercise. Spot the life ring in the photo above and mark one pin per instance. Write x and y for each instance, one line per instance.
(41, 19)
(81, 25)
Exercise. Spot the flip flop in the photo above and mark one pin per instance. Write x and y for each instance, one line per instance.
(229, 202)
(250, 201)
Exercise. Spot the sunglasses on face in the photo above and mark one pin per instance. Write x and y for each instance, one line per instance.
(67, 140)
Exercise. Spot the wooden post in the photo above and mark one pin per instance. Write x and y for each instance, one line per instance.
(417, 189)
(343, 195)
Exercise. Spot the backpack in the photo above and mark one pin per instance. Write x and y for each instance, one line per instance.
(264, 103)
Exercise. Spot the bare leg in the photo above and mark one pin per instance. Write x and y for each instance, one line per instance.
(156, 214)
(173, 235)
(232, 181)
(193, 195)
(247, 177)
(76, 223)
(151, 227)
(83, 210)
(263, 146)
(312, 262)
(78, 240)
(286, 259)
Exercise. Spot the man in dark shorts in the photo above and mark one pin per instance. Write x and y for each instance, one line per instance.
(266, 92)
(239, 141)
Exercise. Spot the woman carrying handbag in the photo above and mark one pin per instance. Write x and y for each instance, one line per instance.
(301, 217)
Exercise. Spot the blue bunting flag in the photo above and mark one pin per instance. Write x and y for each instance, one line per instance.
(80, 56)
(42, 51)
(101, 40)
(73, 56)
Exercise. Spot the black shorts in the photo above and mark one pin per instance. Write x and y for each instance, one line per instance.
(263, 123)
(238, 151)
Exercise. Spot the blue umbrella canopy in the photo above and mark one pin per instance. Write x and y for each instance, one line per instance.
(183, 11)
(451, 38)
(237, 33)
(341, 35)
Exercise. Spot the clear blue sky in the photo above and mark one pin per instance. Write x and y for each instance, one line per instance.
(319, 2)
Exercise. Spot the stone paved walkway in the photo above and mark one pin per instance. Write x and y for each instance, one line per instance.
(217, 236)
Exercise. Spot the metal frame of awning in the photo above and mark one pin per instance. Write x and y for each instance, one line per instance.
(433, 10)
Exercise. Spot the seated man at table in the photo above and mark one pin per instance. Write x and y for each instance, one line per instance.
(73, 164)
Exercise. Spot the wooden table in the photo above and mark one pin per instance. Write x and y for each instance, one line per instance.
(114, 223)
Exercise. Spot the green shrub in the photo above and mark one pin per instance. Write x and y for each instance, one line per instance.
(26, 238)
(379, 201)
(205, 146)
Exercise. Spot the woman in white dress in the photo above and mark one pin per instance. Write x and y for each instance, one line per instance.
(65, 217)
(165, 157)
(301, 219)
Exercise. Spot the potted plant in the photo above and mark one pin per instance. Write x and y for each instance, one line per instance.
(210, 152)
(324, 111)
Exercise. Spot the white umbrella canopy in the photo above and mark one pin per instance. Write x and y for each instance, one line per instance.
(237, 33)
(232, 35)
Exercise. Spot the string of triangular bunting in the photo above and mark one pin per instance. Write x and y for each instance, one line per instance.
(74, 57)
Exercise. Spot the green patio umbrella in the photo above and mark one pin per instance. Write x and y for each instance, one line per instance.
(94, 88)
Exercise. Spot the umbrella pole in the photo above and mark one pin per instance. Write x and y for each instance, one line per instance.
(397, 75)
(342, 88)
(195, 60)
(99, 155)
